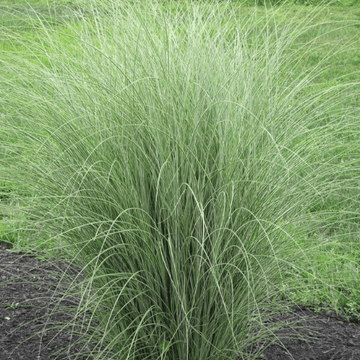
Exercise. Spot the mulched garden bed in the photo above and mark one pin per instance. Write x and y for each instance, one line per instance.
(30, 288)
(312, 336)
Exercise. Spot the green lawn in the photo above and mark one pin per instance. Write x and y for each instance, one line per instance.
(176, 128)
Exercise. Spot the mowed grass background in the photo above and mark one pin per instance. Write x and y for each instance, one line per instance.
(196, 159)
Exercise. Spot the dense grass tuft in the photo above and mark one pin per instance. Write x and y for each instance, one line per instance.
(179, 158)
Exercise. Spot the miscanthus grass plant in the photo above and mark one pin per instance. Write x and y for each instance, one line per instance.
(177, 157)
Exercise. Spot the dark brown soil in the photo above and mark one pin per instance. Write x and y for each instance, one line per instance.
(30, 289)
(312, 336)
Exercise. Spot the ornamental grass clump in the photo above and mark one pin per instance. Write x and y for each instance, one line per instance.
(173, 153)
